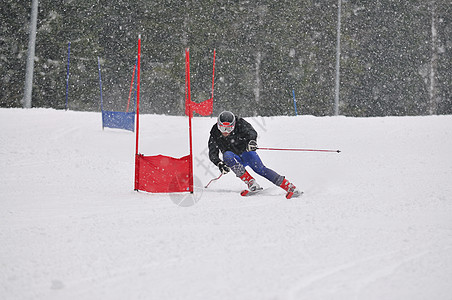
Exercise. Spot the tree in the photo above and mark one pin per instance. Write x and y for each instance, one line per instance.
(265, 49)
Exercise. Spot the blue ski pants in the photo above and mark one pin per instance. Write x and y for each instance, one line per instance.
(237, 163)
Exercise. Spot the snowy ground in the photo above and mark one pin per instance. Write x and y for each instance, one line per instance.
(375, 221)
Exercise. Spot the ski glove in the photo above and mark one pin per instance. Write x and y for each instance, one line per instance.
(224, 169)
(252, 146)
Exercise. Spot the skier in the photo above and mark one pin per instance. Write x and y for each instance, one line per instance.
(236, 139)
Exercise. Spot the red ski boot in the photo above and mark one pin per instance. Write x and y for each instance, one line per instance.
(253, 186)
(291, 190)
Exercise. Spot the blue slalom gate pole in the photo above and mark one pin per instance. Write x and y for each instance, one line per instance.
(294, 102)
(67, 75)
(100, 85)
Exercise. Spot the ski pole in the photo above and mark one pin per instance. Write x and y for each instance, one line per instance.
(213, 180)
(296, 149)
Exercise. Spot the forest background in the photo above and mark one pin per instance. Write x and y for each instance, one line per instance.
(396, 56)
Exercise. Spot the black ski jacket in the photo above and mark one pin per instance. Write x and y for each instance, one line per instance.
(236, 141)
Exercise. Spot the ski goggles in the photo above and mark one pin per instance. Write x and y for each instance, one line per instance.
(226, 127)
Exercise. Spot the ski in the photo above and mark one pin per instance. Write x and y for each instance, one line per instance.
(289, 195)
(245, 193)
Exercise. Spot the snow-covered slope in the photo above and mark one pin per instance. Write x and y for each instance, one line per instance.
(375, 221)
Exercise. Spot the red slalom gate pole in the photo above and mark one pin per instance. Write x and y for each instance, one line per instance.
(131, 87)
(137, 166)
(296, 149)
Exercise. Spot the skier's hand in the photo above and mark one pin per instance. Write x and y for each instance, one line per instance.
(252, 146)
(224, 169)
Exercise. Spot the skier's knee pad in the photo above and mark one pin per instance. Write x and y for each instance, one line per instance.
(238, 169)
(232, 160)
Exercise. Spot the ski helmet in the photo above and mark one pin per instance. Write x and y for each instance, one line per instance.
(226, 122)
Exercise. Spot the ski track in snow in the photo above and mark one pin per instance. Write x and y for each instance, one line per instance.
(375, 221)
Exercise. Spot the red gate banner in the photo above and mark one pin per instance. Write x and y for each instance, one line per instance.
(163, 174)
